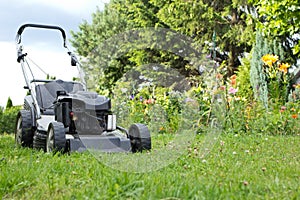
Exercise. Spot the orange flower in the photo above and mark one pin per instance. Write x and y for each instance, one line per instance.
(294, 116)
(269, 59)
(233, 80)
(233, 77)
(283, 67)
(223, 88)
(219, 76)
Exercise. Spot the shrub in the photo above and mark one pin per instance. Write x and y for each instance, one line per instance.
(245, 89)
(258, 72)
(8, 119)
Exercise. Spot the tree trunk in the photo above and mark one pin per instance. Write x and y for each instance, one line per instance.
(232, 58)
(231, 61)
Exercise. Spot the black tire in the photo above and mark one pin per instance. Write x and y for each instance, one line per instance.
(56, 137)
(140, 138)
(24, 130)
(39, 141)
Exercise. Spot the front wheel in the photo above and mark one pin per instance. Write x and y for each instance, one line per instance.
(140, 138)
(56, 137)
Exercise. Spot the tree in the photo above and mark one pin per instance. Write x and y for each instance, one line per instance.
(113, 53)
(88, 42)
(109, 58)
(280, 19)
(9, 103)
(230, 21)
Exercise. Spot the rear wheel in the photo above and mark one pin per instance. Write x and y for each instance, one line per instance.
(56, 137)
(140, 138)
(23, 130)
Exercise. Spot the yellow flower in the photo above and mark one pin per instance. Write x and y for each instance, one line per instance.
(283, 67)
(269, 59)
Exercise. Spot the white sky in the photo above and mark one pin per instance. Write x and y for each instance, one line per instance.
(44, 48)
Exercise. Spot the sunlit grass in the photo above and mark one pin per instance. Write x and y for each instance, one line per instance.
(236, 167)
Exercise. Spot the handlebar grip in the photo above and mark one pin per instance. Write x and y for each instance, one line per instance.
(22, 28)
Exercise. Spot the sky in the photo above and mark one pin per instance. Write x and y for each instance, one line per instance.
(44, 47)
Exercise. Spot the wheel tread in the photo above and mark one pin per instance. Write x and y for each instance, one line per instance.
(59, 136)
(27, 130)
(140, 137)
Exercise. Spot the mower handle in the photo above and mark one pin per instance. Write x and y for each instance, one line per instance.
(22, 28)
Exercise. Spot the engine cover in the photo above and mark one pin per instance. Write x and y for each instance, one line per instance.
(84, 112)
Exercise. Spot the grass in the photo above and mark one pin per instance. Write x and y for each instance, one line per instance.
(237, 167)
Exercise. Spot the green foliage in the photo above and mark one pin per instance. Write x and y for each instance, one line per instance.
(248, 102)
(102, 71)
(201, 19)
(259, 76)
(8, 119)
(280, 18)
(258, 79)
(109, 59)
(157, 107)
(294, 96)
(236, 111)
(9, 103)
(252, 118)
(243, 80)
(48, 77)
(275, 121)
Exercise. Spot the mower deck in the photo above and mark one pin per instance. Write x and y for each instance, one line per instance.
(99, 143)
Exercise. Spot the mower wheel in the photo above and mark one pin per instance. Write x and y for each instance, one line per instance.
(140, 138)
(39, 141)
(56, 137)
(23, 130)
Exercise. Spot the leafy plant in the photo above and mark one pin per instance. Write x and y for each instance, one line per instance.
(8, 119)
(278, 78)
(259, 77)
(9, 103)
(245, 89)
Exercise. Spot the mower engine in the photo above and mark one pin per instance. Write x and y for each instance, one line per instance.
(84, 113)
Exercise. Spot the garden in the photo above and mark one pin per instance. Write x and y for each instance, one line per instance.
(222, 104)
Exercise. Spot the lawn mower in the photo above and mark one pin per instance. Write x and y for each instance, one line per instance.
(63, 116)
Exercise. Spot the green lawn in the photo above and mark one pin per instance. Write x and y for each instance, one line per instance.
(237, 167)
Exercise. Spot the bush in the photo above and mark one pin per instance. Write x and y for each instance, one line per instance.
(228, 101)
(243, 80)
(8, 119)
